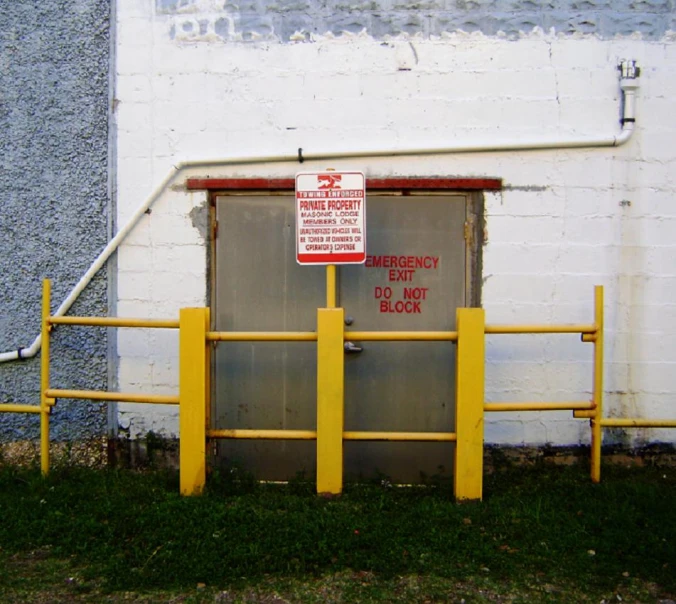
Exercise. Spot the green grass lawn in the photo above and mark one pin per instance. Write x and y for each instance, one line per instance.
(542, 533)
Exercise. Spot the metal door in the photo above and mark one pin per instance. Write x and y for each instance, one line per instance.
(414, 279)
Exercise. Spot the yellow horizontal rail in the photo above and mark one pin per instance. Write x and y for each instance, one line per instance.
(562, 406)
(612, 422)
(312, 435)
(585, 413)
(401, 436)
(261, 336)
(506, 329)
(401, 336)
(114, 322)
(16, 408)
(120, 397)
(264, 434)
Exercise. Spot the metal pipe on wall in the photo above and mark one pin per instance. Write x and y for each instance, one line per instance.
(629, 73)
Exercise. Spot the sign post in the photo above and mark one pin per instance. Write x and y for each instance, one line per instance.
(330, 218)
(330, 230)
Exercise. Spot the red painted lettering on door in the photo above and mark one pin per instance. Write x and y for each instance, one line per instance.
(402, 269)
(415, 293)
(383, 292)
(400, 307)
(410, 262)
(399, 275)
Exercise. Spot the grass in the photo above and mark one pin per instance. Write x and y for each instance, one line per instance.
(541, 534)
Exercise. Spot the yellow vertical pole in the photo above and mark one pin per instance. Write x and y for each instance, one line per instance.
(45, 408)
(330, 412)
(469, 406)
(331, 286)
(193, 382)
(597, 436)
(207, 363)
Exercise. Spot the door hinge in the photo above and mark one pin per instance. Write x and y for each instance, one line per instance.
(214, 229)
(468, 231)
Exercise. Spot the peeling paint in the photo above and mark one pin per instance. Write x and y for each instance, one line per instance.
(301, 20)
(199, 217)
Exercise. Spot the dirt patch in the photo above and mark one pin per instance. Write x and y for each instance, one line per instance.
(91, 453)
(657, 455)
(162, 453)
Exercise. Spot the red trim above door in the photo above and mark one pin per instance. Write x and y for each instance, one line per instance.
(372, 184)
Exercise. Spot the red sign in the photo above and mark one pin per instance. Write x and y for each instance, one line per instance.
(330, 218)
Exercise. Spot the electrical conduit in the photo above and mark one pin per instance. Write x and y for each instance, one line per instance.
(629, 73)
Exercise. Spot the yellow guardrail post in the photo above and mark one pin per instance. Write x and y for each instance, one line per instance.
(208, 347)
(469, 407)
(45, 407)
(193, 383)
(330, 412)
(596, 421)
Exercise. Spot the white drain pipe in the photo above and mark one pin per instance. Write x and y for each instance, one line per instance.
(629, 73)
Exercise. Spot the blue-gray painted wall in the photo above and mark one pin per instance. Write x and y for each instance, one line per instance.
(280, 19)
(54, 202)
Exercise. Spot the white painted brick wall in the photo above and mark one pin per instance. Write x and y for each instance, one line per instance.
(558, 228)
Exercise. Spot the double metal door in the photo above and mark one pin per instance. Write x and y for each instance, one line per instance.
(414, 278)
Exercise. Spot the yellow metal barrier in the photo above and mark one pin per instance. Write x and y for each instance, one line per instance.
(331, 286)
(598, 340)
(49, 396)
(469, 404)
(117, 397)
(17, 408)
(264, 434)
(562, 406)
(581, 409)
(420, 437)
(402, 336)
(195, 342)
(312, 435)
(330, 407)
(45, 406)
(194, 370)
(261, 336)
(115, 322)
(519, 329)
(592, 410)
(637, 423)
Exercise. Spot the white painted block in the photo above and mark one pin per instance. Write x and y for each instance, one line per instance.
(133, 9)
(134, 259)
(134, 344)
(165, 373)
(133, 373)
(132, 60)
(133, 285)
(654, 378)
(519, 229)
(566, 220)
(134, 309)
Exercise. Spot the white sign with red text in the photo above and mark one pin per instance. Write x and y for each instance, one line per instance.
(330, 218)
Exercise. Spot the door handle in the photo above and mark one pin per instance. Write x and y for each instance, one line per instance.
(351, 347)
